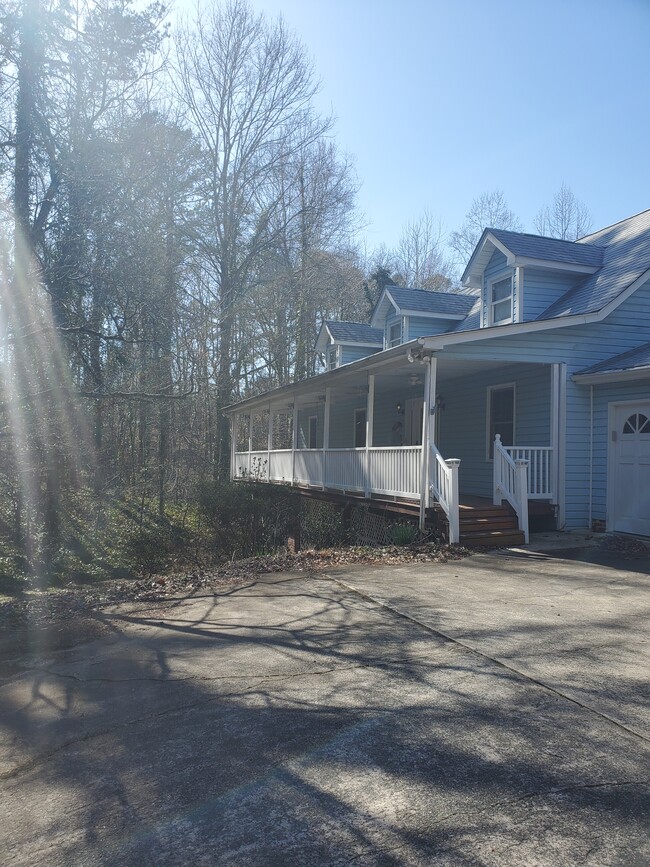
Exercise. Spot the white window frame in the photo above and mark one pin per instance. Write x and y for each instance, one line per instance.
(501, 386)
(337, 349)
(314, 419)
(364, 410)
(500, 278)
(390, 340)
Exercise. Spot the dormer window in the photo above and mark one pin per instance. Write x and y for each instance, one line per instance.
(500, 301)
(395, 334)
(332, 357)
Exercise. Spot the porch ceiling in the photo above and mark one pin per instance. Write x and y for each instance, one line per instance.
(457, 368)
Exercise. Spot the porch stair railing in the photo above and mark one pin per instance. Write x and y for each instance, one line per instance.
(511, 484)
(443, 484)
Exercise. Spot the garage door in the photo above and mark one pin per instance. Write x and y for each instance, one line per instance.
(630, 444)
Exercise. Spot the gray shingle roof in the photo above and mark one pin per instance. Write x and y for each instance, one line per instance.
(552, 249)
(626, 256)
(473, 319)
(355, 332)
(423, 301)
(631, 360)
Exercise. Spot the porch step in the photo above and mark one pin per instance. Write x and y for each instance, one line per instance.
(492, 538)
(478, 525)
(486, 525)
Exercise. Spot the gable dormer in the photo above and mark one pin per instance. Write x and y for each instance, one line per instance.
(403, 314)
(521, 275)
(340, 343)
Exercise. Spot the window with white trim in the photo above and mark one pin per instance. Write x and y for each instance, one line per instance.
(500, 416)
(500, 300)
(395, 334)
(332, 357)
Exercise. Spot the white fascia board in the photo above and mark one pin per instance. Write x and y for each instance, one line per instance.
(378, 314)
(502, 248)
(625, 294)
(474, 277)
(357, 343)
(321, 340)
(440, 341)
(612, 376)
(429, 315)
(551, 265)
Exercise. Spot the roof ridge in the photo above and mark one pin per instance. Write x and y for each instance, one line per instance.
(427, 291)
(611, 226)
(543, 237)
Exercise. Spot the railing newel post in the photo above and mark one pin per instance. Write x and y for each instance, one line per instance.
(521, 488)
(454, 502)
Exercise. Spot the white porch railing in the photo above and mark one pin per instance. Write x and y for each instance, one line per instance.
(395, 472)
(511, 483)
(388, 471)
(443, 481)
(539, 474)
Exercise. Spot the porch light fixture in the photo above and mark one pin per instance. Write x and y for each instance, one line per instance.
(399, 409)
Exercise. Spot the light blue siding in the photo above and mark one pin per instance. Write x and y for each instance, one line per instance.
(578, 347)
(342, 421)
(386, 415)
(318, 410)
(463, 421)
(354, 353)
(541, 288)
(634, 313)
(426, 326)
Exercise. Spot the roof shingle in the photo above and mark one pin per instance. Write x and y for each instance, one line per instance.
(423, 301)
(550, 249)
(355, 332)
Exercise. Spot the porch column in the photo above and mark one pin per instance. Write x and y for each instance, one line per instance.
(234, 425)
(370, 427)
(294, 440)
(250, 444)
(269, 445)
(558, 429)
(326, 433)
(430, 372)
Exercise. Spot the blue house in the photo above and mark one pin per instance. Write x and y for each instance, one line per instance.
(528, 395)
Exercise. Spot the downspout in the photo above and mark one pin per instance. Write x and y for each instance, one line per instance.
(591, 454)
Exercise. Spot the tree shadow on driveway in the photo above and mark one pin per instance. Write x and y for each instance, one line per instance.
(291, 722)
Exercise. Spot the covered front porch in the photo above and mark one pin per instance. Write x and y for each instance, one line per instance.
(422, 429)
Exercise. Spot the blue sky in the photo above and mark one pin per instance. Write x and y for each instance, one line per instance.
(440, 101)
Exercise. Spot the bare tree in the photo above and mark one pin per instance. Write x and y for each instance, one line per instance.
(489, 210)
(248, 88)
(566, 217)
(419, 259)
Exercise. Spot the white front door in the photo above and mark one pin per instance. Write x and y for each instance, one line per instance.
(629, 489)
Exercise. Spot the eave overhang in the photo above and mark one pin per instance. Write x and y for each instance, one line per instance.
(317, 384)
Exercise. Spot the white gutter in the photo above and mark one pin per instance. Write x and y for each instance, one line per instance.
(612, 376)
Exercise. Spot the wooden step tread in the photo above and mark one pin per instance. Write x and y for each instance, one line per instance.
(495, 537)
(477, 527)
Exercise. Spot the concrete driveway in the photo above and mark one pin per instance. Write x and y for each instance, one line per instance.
(295, 721)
